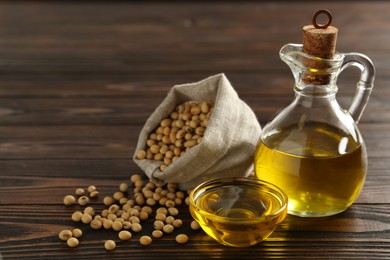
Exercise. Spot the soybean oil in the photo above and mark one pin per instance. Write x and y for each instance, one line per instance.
(239, 215)
(321, 169)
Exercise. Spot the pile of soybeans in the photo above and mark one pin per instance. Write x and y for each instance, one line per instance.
(176, 134)
(180, 131)
(126, 214)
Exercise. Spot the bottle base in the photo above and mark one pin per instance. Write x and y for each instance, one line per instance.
(311, 214)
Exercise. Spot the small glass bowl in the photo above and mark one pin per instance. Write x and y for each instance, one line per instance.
(238, 211)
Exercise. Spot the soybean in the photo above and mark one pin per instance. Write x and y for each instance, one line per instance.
(90, 211)
(158, 224)
(117, 225)
(107, 224)
(79, 191)
(110, 245)
(69, 200)
(91, 188)
(169, 220)
(145, 240)
(108, 201)
(76, 216)
(147, 209)
(126, 225)
(177, 223)
(94, 194)
(72, 242)
(135, 177)
(124, 235)
(168, 228)
(173, 211)
(136, 227)
(96, 224)
(65, 234)
(83, 200)
(157, 233)
(161, 216)
(86, 218)
(195, 225)
(77, 232)
(143, 215)
(182, 238)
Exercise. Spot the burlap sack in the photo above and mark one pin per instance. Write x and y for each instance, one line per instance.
(228, 144)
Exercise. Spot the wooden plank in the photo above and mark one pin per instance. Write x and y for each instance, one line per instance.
(72, 142)
(120, 169)
(32, 180)
(126, 85)
(61, 142)
(84, 170)
(133, 109)
(145, 22)
(145, 62)
(125, 41)
(295, 237)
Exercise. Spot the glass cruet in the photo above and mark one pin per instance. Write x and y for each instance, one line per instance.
(313, 149)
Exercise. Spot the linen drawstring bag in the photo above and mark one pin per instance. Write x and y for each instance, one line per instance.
(228, 144)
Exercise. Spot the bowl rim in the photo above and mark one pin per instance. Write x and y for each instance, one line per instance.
(260, 183)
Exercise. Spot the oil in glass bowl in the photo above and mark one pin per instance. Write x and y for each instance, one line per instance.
(238, 211)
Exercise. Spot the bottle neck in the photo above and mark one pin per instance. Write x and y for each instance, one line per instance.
(315, 90)
(316, 96)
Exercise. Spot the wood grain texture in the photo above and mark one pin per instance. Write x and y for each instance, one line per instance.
(79, 79)
(341, 236)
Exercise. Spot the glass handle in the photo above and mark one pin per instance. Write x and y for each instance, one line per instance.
(365, 84)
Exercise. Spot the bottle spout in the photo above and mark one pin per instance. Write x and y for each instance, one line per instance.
(308, 69)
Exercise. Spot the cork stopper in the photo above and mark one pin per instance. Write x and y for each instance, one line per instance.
(319, 40)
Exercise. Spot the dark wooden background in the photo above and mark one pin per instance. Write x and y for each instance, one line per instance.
(79, 79)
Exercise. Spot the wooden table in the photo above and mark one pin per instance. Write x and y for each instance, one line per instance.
(79, 79)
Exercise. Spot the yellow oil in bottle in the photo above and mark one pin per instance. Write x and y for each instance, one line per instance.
(238, 216)
(321, 169)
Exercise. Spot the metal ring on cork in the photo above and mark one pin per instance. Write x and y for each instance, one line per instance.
(322, 26)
